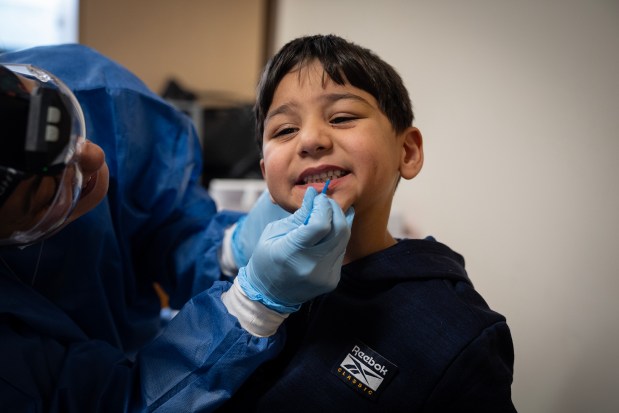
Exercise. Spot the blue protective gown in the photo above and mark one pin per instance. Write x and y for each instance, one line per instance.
(79, 319)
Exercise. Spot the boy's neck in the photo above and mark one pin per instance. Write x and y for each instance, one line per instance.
(367, 237)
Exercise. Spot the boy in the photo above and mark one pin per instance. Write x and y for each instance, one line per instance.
(404, 330)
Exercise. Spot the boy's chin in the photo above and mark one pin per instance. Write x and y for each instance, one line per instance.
(343, 203)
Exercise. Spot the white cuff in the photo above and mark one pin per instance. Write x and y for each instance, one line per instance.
(226, 256)
(252, 315)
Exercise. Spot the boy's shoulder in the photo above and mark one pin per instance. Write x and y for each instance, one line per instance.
(423, 276)
(412, 259)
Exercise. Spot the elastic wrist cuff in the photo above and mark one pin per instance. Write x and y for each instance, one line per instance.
(253, 316)
(253, 294)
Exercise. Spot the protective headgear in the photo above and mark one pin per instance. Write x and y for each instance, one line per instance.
(42, 132)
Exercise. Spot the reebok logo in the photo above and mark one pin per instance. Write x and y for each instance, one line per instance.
(369, 360)
(365, 371)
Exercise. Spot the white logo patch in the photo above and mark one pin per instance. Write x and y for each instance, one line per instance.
(365, 370)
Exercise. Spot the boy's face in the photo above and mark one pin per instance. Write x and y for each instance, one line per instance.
(316, 130)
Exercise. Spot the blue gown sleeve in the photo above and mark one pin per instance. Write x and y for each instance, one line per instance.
(198, 369)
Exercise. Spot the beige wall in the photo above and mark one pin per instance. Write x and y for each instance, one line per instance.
(518, 103)
(209, 45)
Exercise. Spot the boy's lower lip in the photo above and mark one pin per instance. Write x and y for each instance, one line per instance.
(319, 186)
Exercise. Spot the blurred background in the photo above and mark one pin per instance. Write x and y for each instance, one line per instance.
(518, 103)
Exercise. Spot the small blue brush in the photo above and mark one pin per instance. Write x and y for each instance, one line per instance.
(324, 188)
(324, 191)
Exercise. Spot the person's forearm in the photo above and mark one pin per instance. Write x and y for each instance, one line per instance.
(195, 356)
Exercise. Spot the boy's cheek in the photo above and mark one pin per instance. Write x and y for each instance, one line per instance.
(282, 199)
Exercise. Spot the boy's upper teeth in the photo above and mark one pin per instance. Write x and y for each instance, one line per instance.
(323, 176)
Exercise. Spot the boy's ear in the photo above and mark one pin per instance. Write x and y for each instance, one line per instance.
(412, 153)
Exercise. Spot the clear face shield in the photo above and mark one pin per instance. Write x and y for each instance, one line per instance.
(43, 134)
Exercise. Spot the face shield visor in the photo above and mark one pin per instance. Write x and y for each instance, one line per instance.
(43, 134)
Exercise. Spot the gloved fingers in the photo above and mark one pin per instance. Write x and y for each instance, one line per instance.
(328, 224)
(341, 225)
(280, 227)
(265, 207)
(302, 214)
(342, 221)
(295, 262)
(264, 198)
(249, 228)
(318, 226)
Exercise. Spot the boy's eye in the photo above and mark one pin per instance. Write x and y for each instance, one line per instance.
(342, 119)
(284, 131)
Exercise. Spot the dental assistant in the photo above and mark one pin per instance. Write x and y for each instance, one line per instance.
(88, 226)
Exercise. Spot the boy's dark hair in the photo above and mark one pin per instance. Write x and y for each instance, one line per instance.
(343, 62)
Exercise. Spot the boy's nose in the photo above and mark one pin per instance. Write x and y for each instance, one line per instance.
(314, 141)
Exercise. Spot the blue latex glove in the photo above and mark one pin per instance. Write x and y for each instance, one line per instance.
(294, 262)
(249, 228)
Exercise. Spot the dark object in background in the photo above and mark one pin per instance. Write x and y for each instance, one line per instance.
(226, 130)
(229, 148)
(174, 91)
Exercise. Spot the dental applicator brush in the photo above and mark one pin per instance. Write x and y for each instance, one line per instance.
(324, 188)
(324, 191)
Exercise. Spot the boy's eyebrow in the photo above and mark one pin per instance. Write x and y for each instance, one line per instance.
(285, 108)
(334, 97)
(329, 98)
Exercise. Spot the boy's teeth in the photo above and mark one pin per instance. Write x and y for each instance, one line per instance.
(322, 177)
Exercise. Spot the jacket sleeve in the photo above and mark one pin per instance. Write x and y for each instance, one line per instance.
(479, 379)
(202, 358)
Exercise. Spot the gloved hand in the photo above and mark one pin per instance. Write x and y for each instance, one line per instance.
(249, 228)
(294, 262)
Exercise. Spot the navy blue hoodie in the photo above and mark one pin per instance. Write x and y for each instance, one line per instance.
(404, 331)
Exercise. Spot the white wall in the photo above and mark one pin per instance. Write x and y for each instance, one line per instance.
(518, 102)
